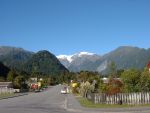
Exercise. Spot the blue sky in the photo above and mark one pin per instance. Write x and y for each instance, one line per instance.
(70, 26)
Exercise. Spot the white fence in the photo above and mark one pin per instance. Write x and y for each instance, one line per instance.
(6, 90)
(121, 98)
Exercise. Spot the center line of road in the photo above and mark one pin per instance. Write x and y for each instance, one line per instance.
(65, 103)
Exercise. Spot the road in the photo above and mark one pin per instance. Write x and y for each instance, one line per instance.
(51, 101)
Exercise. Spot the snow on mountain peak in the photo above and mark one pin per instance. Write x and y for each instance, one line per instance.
(67, 57)
(85, 53)
(70, 58)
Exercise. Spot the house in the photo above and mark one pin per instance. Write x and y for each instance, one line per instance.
(35, 83)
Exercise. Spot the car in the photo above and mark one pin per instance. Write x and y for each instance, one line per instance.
(63, 91)
(37, 90)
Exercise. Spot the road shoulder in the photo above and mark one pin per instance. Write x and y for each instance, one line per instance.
(72, 104)
(15, 95)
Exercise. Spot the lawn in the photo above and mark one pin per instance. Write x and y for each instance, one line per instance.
(86, 103)
(4, 95)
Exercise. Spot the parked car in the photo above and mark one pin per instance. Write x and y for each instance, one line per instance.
(37, 90)
(65, 90)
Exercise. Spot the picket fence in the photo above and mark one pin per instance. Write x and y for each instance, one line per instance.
(120, 98)
(6, 90)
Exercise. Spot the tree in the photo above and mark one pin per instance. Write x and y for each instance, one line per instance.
(112, 69)
(12, 75)
(2, 79)
(119, 72)
(114, 86)
(64, 77)
(86, 87)
(145, 81)
(19, 82)
(131, 79)
(93, 78)
(84, 76)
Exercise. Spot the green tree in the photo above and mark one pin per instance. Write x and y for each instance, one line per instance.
(11, 75)
(92, 77)
(131, 79)
(2, 79)
(19, 82)
(112, 69)
(84, 76)
(102, 87)
(86, 87)
(119, 72)
(145, 81)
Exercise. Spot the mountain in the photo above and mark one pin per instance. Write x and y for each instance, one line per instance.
(79, 61)
(125, 57)
(44, 62)
(14, 57)
(128, 57)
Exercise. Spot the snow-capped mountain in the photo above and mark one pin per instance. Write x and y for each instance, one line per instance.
(125, 57)
(79, 61)
(65, 57)
(70, 58)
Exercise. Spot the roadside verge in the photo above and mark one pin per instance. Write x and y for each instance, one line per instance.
(73, 105)
(12, 96)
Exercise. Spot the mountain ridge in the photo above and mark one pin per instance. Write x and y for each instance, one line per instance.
(44, 62)
(70, 57)
(124, 56)
(23, 60)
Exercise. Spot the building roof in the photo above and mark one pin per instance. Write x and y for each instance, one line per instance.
(106, 80)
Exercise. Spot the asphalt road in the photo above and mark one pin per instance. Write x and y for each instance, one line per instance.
(50, 101)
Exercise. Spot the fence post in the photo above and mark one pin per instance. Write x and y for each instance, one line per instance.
(135, 98)
(95, 98)
(148, 97)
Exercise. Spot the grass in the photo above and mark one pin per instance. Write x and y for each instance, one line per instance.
(4, 95)
(86, 103)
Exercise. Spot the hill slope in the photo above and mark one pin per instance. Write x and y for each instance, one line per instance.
(125, 57)
(44, 62)
(79, 61)
(129, 57)
(14, 57)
